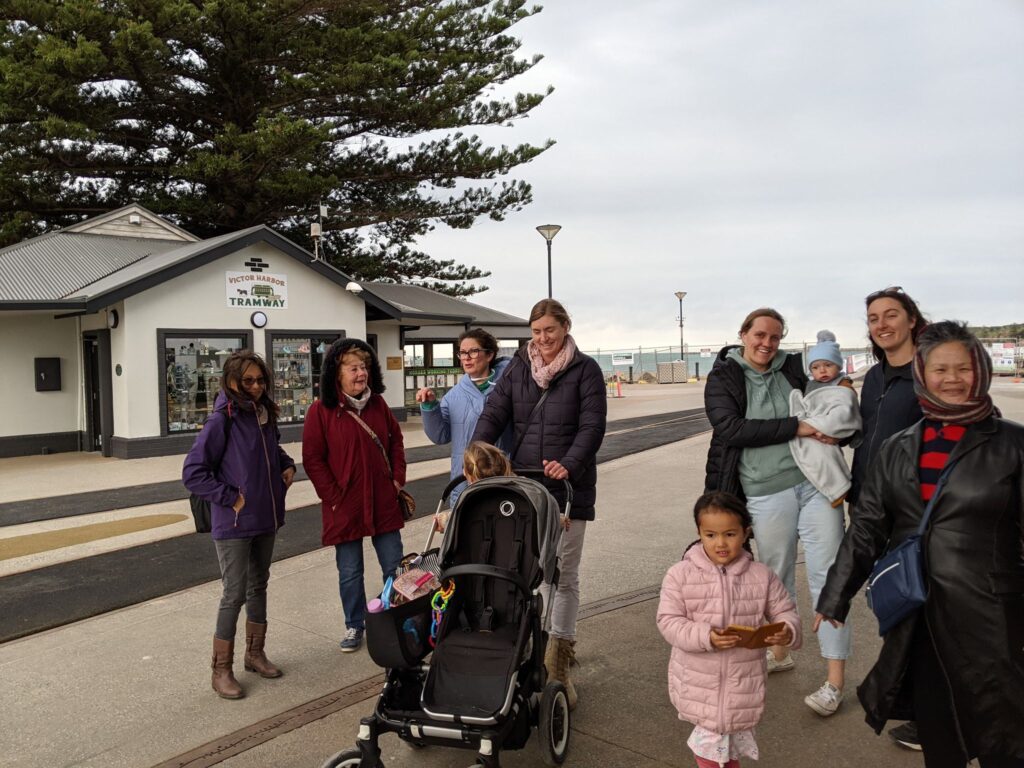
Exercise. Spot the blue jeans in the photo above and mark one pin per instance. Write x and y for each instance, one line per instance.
(802, 512)
(349, 557)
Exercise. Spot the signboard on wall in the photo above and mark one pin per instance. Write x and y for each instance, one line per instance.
(394, 363)
(256, 289)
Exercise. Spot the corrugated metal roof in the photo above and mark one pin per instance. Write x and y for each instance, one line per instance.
(155, 263)
(412, 299)
(59, 264)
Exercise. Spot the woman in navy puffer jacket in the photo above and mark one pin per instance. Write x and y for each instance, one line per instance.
(239, 467)
(454, 419)
(563, 438)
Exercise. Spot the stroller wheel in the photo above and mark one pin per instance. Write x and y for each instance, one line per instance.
(348, 758)
(553, 723)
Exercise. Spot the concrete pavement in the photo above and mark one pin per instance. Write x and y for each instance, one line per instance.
(131, 687)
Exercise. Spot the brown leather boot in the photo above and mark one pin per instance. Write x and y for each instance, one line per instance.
(255, 659)
(557, 658)
(224, 682)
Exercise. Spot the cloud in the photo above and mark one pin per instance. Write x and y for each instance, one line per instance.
(793, 154)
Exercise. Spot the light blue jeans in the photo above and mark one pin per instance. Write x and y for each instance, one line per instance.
(779, 519)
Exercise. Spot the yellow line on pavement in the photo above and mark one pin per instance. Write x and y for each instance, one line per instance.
(34, 543)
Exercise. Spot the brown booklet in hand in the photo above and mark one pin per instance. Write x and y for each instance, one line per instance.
(754, 637)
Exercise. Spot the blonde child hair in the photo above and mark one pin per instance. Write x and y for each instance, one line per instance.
(484, 460)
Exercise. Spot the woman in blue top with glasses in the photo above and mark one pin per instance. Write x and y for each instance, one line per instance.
(454, 418)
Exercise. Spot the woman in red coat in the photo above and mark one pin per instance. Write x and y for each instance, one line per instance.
(356, 474)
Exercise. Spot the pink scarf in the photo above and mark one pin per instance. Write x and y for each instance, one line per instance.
(544, 373)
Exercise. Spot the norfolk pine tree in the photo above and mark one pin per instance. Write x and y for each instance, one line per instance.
(223, 114)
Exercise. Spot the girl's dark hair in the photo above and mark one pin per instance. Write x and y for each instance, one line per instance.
(774, 314)
(232, 372)
(909, 306)
(553, 308)
(726, 502)
(487, 342)
(329, 372)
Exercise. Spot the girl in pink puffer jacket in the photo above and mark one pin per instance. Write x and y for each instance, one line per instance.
(716, 685)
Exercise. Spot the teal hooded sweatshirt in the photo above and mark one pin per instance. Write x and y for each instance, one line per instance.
(771, 468)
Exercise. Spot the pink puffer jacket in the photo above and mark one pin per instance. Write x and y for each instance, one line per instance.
(723, 691)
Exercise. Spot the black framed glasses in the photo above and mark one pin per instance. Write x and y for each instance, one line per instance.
(892, 290)
(249, 381)
(468, 354)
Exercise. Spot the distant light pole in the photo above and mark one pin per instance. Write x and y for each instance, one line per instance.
(682, 350)
(548, 232)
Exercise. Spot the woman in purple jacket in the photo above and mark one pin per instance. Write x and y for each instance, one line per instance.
(238, 466)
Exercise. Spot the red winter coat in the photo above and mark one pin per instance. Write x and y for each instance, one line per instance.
(348, 470)
(722, 691)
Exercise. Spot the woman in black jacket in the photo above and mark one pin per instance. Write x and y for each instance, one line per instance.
(957, 665)
(887, 401)
(747, 401)
(563, 437)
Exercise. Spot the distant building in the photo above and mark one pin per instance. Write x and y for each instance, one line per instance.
(113, 331)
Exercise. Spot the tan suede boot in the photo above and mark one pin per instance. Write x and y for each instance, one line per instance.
(224, 682)
(557, 657)
(255, 659)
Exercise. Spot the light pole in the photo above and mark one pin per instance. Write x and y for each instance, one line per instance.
(548, 232)
(682, 349)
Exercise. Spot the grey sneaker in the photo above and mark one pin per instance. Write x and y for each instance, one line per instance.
(774, 665)
(826, 700)
(352, 640)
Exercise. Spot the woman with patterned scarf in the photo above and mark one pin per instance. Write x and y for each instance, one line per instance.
(562, 437)
(957, 665)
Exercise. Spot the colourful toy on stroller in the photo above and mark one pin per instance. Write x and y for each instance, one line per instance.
(484, 687)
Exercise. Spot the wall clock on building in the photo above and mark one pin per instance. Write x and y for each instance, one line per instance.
(258, 319)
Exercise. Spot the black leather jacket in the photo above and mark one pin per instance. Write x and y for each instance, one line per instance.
(974, 550)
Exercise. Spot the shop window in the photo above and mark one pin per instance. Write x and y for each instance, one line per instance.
(443, 355)
(193, 368)
(296, 363)
(413, 355)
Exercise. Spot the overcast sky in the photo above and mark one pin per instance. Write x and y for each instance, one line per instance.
(792, 154)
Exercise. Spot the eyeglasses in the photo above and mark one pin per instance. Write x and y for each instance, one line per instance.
(890, 291)
(249, 381)
(466, 354)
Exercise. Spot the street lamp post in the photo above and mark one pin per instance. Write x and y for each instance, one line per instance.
(682, 348)
(548, 232)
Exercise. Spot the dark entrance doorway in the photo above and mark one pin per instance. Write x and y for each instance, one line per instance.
(91, 356)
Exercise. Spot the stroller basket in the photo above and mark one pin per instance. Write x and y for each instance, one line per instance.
(399, 636)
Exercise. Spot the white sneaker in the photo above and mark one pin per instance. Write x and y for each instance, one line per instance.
(774, 665)
(826, 700)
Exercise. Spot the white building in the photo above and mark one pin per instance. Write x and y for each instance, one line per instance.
(112, 331)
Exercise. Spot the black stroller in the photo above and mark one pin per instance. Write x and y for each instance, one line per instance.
(484, 687)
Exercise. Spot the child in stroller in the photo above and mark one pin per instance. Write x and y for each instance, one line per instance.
(484, 687)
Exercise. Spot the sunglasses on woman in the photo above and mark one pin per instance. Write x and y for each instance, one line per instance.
(892, 290)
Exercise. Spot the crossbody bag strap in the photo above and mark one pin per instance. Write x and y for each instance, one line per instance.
(931, 502)
(376, 439)
(529, 421)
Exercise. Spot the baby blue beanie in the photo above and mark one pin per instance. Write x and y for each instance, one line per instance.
(826, 349)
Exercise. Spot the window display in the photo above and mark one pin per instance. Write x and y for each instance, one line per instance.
(193, 369)
(296, 363)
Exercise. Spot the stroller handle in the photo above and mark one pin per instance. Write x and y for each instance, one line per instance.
(532, 473)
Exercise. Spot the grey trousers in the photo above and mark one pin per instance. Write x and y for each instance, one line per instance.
(565, 604)
(244, 572)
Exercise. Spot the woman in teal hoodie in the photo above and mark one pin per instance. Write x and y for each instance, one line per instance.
(747, 402)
